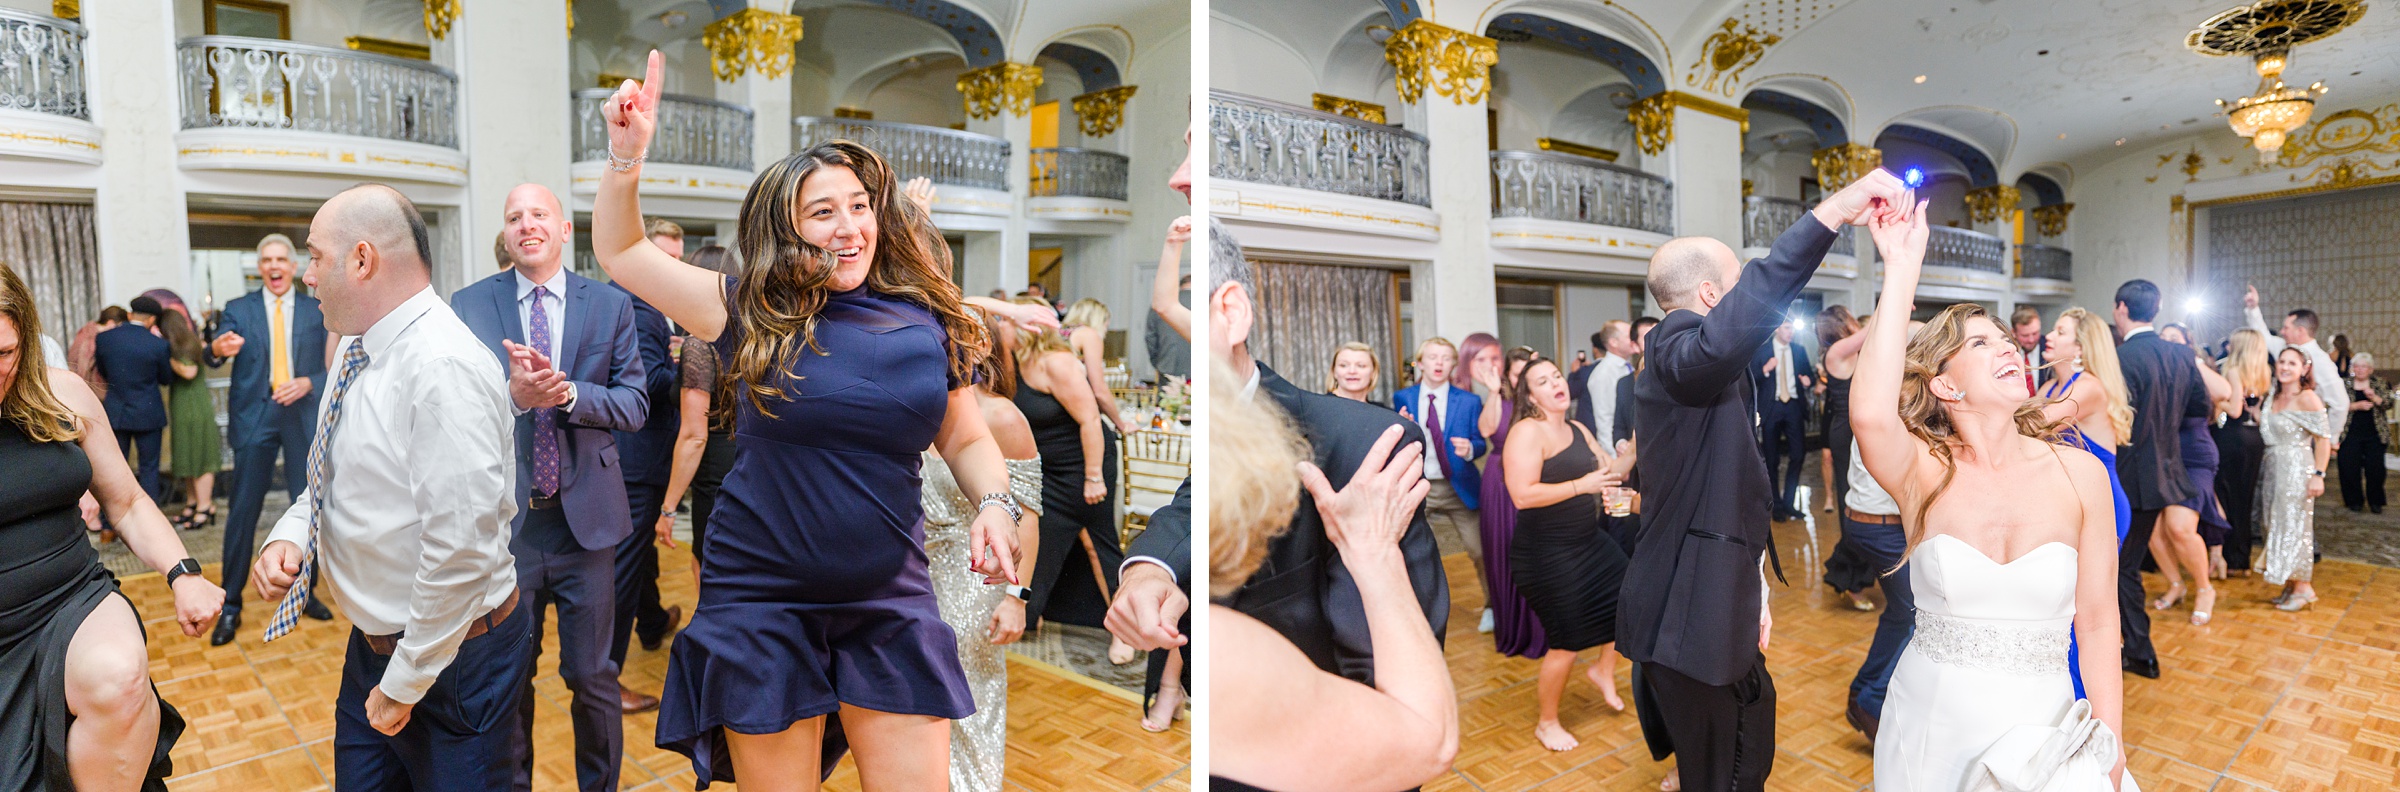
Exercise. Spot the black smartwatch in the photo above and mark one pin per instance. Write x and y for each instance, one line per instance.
(180, 569)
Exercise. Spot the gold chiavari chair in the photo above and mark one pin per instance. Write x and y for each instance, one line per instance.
(1155, 464)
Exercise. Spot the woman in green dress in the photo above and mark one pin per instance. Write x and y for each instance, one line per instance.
(196, 451)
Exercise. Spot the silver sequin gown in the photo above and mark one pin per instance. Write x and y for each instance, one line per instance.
(978, 744)
(2285, 512)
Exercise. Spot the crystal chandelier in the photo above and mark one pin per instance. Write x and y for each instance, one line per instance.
(2271, 113)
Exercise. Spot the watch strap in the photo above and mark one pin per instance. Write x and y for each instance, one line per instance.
(187, 566)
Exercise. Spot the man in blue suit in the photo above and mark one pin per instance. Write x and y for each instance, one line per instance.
(649, 460)
(575, 374)
(135, 362)
(276, 339)
(1782, 375)
(1449, 415)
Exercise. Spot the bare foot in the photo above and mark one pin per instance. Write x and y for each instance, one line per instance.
(1554, 736)
(1166, 709)
(1608, 687)
(1673, 782)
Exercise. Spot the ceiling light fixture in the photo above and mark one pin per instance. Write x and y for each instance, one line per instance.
(2267, 31)
(1920, 79)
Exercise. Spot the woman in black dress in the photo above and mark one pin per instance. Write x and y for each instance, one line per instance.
(1078, 465)
(1562, 563)
(80, 711)
(1849, 569)
(2240, 448)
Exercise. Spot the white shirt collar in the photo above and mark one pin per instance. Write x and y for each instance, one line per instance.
(386, 330)
(2129, 334)
(556, 284)
(1250, 388)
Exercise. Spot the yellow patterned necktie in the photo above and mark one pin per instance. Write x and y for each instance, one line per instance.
(281, 366)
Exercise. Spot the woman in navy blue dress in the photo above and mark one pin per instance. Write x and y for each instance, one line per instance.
(847, 347)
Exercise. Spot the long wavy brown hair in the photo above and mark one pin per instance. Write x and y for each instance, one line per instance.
(25, 399)
(786, 280)
(1929, 353)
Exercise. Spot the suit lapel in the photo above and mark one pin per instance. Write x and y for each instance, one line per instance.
(575, 302)
(504, 303)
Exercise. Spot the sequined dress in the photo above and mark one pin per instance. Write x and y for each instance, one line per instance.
(2285, 511)
(978, 743)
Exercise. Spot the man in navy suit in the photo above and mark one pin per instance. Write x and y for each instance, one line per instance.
(1781, 372)
(1449, 413)
(272, 406)
(575, 374)
(649, 460)
(135, 362)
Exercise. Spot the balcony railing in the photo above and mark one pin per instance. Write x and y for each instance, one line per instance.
(947, 156)
(1764, 219)
(1964, 249)
(1078, 172)
(230, 81)
(691, 131)
(2044, 261)
(1266, 142)
(1548, 186)
(41, 65)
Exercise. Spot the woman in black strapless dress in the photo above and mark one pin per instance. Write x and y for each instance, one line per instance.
(1079, 466)
(1563, 564)
(74, 666)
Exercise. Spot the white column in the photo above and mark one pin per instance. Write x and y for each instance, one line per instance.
(770, 103)
(1704, 162)
(514, 112)
(1454, 295)
(140, 217)
(985, 251)
(1003, 257)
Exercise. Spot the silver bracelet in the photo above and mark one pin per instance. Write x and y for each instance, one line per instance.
(1007, 504)
(622, 165)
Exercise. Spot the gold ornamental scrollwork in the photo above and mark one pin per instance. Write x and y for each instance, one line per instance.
(1463, 61)
(751, 40)
(1733, 48)
(1369, 112)
(2348, 132)
(2051, 221)
(439, 16)
(1838, 166)
(1000, 86)
(1653, 120)
(1988, 204)
(1100, 112)
(66, 9)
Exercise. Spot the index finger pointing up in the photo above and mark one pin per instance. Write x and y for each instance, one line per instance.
(654, 82)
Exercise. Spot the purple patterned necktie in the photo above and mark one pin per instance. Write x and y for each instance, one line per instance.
(545, 419)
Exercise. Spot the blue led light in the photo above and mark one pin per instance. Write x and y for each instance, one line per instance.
(1913, 178)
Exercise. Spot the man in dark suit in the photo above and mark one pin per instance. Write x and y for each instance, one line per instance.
(1302, 590)
(1782, 375)
(2163, 384)
(276, 338)
(575, 373)
(1621, 424)
(649, 460)
(135, 362)
(1579, 382)
(1693, 609)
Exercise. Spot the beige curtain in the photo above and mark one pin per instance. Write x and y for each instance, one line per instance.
(53, 247)
(1307, 311)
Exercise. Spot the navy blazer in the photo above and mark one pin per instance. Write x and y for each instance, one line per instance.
(649, 452)
(598, 352)
(247, 404)
(1579, 394)
(134, 363)
(1465, 410)
(1766, 382)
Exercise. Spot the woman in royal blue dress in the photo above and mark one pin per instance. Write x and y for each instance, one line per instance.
(848, 350)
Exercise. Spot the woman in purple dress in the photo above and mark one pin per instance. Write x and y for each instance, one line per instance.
(1515, 629)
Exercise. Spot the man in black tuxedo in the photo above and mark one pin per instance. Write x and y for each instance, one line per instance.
(1783, 377)
(2163, 384)
(1693, 609)
(135, 361)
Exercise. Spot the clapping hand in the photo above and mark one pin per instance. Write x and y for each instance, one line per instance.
(1368, 516)
(631, 115)
(532, 382)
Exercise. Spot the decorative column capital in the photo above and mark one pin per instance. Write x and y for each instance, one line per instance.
(1003, 85)
(752, 39)
(1838, 166)
(1653, 120)
(1464, 59)
(1369, 112)
(439, 16)
(1987, 204)
(1100, 112)
(2051, 221)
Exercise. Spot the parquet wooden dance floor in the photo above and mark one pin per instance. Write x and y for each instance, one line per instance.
(2259, 700)
(261, 715)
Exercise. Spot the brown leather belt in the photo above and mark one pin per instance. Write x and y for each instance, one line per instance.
(384, 644)
(1870, 519)
(542, 502)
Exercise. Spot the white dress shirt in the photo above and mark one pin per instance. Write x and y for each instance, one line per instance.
(421, 477)
(1432, 398)
(1603, 385)
(2329, 378)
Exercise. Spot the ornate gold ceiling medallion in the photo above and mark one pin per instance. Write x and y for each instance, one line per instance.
(1100, 112)
(1000, 86)
(752, 39)
(1464, 61)
(1733, 48)
(2272, 25)
(1369, 112)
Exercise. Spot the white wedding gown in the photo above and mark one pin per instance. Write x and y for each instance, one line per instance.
(1989, 654)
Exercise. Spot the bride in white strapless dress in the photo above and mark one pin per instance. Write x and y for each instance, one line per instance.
(1981, 699)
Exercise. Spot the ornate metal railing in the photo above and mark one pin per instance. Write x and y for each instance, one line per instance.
(1079, 172)
(41, 65)
(691, 130)
(1764, 219)
(230, 81)
(2044, 261)
(1550, 186)
(1266, 142)
(1964, 249)
(947, 156)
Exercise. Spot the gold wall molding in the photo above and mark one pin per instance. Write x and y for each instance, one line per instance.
(1000, 86)
(1838, 166)
(1732, 49)
(1577, 149)
(1653, 122)
(1988, 204)
(66, 9)
(439, 16)
(570, 17)
(397, 49)
(1369, 112)
(1100, 112)
(2353, 131)
(752, 39)
(1464, 62)
(2051, 221)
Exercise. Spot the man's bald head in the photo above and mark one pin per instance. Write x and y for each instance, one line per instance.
(379, 216)
(1681, 265)
(366, 256)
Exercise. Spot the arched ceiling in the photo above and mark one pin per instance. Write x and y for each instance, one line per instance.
(1646, 76)
(1980, 170)
(1828, 130)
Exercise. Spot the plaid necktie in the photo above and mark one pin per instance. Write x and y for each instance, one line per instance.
(287, 613)
(545, 419)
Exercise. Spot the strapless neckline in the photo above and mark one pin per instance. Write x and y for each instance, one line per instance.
(1996, 562)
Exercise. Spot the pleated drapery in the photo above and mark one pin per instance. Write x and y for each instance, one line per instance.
(1306, 312)
(55, 249)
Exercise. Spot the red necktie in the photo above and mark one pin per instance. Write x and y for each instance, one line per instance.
(1441, 438)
